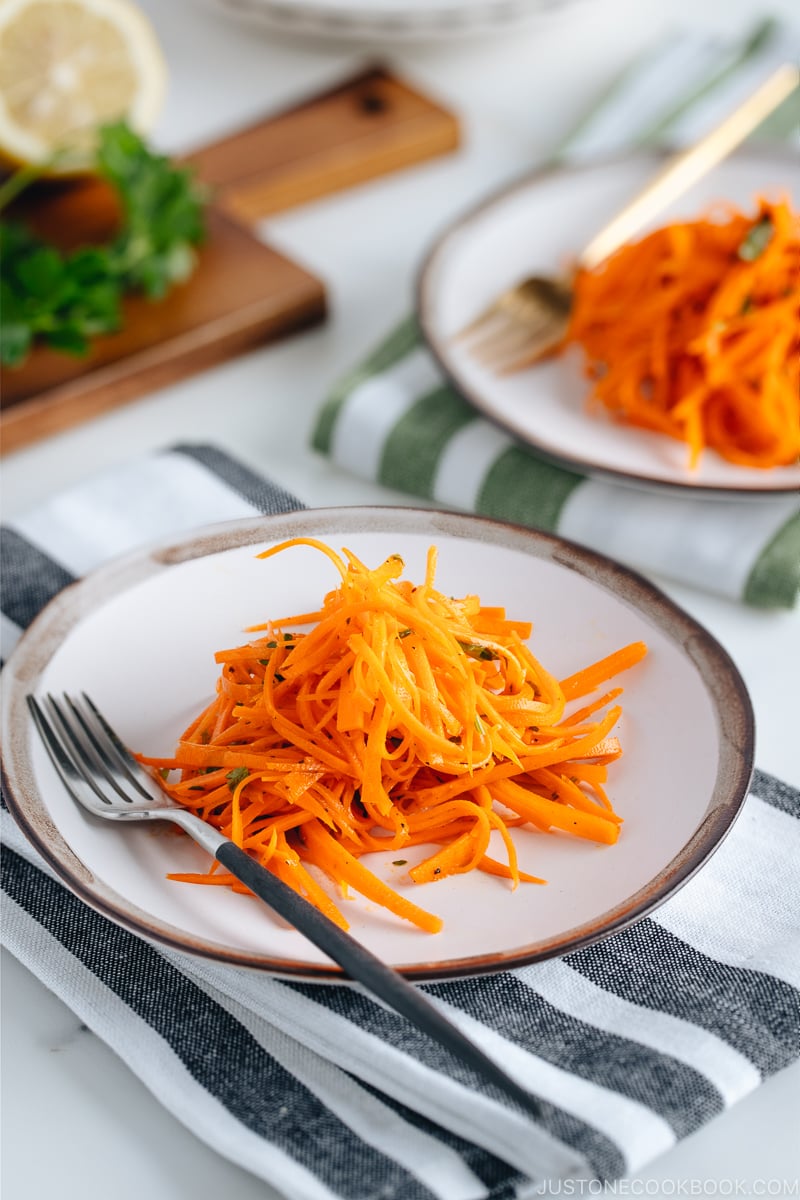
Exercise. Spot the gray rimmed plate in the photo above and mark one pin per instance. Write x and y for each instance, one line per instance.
(140, 635)
(537, 226)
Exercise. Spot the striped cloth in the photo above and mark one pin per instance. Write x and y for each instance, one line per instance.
(395, 420)
(630, 1045)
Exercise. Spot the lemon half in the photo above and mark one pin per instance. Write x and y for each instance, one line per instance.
(67, 66)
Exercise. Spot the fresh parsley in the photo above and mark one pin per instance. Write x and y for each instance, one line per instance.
(476, 650)
(63, 300)
(756, 240)
(236, 776)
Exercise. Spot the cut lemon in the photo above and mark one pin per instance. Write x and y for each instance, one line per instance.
(68, 66)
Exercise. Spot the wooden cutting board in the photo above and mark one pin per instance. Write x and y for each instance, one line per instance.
(243, 292)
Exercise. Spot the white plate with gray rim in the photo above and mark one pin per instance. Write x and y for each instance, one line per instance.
(536, 227)
(139, 636)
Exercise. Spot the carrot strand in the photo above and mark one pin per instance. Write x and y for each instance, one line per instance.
(694, 332)
(402, 718)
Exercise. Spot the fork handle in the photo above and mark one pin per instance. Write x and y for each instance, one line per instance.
(684, 169)
(361, 965)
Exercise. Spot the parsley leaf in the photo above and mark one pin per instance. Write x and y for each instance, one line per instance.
(756, 240)
(236, 776)
(476, 650)
(63, 300)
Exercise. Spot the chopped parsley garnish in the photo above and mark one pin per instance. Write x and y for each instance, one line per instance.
(756, 240)
(476, 650)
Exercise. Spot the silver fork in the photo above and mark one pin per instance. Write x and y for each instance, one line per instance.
(529, 320)
(101, 774)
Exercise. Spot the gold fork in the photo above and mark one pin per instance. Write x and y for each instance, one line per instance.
(529, 320)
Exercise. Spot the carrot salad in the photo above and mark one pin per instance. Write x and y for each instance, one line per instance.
(403, 717)
(694, 332)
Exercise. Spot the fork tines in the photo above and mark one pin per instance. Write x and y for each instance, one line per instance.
(525, 323)
(85, 751)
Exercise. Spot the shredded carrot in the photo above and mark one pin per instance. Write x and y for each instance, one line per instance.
(591, 677)
(694, 332)
(403, 718)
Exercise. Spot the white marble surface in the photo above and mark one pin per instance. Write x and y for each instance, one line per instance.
(76, 1122)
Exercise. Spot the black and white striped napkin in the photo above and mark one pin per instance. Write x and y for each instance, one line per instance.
(630, 1045)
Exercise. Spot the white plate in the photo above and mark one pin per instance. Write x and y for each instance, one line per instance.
(535, 227)
(395, 20)
(139, 636)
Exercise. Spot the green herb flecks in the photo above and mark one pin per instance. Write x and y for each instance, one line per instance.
(476, 650)
(64, 300)
(756, 240)
(236, 776)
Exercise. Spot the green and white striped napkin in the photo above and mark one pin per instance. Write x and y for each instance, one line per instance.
(395, 420)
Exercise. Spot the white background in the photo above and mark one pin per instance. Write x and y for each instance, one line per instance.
(76, 1123)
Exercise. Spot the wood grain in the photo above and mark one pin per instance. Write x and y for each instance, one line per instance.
(242, 293)
(372, 125)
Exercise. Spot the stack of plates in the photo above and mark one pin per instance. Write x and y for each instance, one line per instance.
(384, 19)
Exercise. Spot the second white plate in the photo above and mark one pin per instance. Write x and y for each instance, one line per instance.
(394, 20)
(536, 227)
